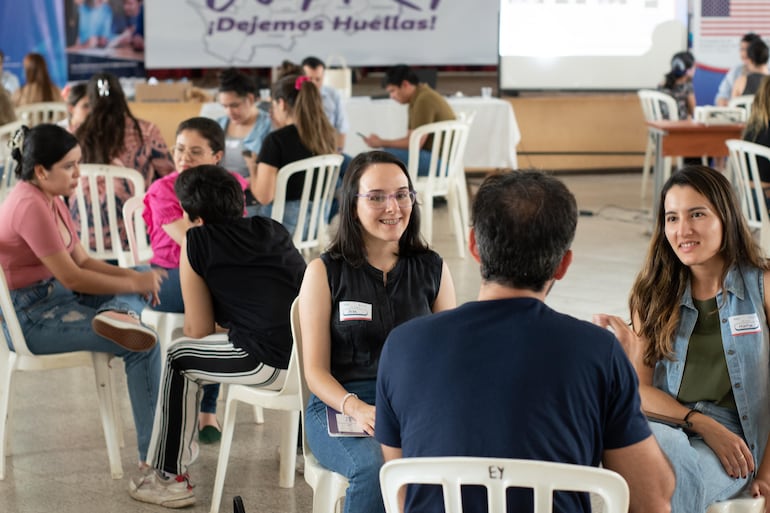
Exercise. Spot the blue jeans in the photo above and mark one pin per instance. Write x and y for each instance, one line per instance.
(290, 214)
(358, 459)
(56, 320)
(402, 154)
(171, 301)
(700, 477)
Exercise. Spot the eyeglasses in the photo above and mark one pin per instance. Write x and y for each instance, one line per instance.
(194, 153)
(404, 199)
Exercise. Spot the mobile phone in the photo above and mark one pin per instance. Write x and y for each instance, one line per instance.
(666, 420)
(247, 153)
(362, 135)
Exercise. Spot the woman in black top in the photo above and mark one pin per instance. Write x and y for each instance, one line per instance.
(238, 273)
(377, 274)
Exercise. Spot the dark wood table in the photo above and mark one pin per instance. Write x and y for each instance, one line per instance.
(687, 138)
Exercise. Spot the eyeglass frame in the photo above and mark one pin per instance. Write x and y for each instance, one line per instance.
(189, 153)
(372, 203)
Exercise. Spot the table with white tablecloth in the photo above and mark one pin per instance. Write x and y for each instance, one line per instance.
(492, 138)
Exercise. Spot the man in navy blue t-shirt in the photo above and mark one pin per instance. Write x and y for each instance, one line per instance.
(508, 377)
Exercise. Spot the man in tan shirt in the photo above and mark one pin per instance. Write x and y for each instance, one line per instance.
(425, 106)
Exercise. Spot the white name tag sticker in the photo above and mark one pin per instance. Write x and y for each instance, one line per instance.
(744, 324)
(355, 311)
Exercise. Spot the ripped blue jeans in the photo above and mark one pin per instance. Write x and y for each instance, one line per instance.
(55, 319)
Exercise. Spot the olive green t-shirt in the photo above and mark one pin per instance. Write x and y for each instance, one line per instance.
(705, 372)
(427, 106)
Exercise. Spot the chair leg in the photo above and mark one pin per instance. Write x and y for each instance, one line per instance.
(259, 415)
(115, 375)
(288, 450)
(647, 166)
(426, 224)
(224, 454)
(107, 410)
(6, 389)
(461, 188)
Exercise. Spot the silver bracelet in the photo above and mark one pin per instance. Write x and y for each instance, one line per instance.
(344, 400)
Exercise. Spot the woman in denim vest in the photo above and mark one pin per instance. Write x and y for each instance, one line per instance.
(700, 341)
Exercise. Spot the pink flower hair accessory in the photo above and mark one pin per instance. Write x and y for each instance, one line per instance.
(300, 80)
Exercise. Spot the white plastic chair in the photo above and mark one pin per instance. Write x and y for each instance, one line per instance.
(328, 487)
(98, 178)
(652, 102)
(22, 360)
(7, 164)
(746, 101)
(544, 477)
(311, 232)
(45, 112)
(287, 399)
(446, 162)
(745, 505)
(745, 178)
(164, 323)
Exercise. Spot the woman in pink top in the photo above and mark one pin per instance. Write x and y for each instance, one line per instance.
(198, 141)
(110, 134)
(66, 300)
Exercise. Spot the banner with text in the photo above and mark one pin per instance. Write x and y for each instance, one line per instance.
(262, 33)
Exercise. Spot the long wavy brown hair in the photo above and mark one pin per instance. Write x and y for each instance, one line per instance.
(759, 119)
(656, 294)
(38, 80)
(304, 102)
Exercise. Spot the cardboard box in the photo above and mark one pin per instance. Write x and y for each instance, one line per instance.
(162, 92)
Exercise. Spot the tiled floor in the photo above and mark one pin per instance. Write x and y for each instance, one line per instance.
(58, 459)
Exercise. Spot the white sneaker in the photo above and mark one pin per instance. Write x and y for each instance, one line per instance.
(125, 329)
(153, 487)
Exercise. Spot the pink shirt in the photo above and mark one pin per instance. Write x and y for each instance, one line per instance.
(29, 231)
(161, 207)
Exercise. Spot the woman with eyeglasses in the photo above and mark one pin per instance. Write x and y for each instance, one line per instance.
(110, 134)
(198, 141)
(377, 274)
(303, 131)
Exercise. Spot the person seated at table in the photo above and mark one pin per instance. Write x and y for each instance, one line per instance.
(330, 97)
(425, 106)
(78, 108)
(757, 130)
(242, 274)
(245, 126)
(94, 23)
(198, 141)
(38, 87)
(678, 84)
(65, 300)
(112, 135)
(303, 131)
(377, 274)
(756, 69)
(128, 26)
(725, 91)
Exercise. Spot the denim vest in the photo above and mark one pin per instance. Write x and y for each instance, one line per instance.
(253, 141)
(747, 354)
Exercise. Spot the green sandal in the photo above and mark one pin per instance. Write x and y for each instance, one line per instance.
(209, 435)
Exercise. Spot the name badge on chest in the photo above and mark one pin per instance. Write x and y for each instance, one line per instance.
(355, 311)
(744, 324)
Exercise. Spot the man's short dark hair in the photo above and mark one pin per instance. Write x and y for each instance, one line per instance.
(750, 37)
(397, 74)
(210, 193)
(313, 62)
(524, 224)
(757, 52)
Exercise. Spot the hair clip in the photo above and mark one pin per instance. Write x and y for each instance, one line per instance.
(103, 85)
(17, 141)
(300, 80)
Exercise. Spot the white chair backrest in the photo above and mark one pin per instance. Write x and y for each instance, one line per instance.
(745, 101)
(499, 474)
(304, 391)
(45, 112)
(8, 313)
(7, 164)
(99, 180)
(652, 105)
(745, 177)
(447, 152)
(321, 175)
(139, 250)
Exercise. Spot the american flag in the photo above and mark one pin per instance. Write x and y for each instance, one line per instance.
(733, 18)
